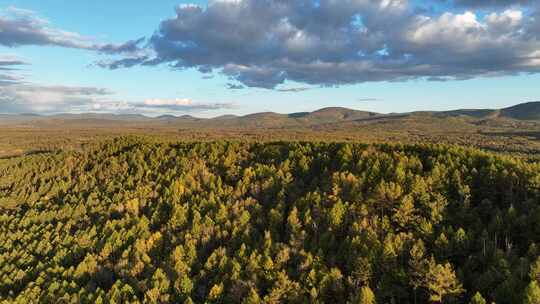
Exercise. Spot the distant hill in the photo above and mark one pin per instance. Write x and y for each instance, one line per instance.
(523, 111)
(336, 114)
(332, 117)
(224, 117)
(98, 116)
(473, 113)
(264, 119)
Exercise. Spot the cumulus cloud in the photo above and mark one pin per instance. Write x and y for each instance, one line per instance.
(232, 86)
(293, 90)
(126, 62)
(22, 27)
(32, 98)
(327, 42)
(488, 3)
(316, 42)
(180, 105)
(129, 47)
(462, 46)
(17, 95)
(19, 27)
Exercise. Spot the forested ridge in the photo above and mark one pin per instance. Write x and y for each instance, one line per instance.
(133, 221)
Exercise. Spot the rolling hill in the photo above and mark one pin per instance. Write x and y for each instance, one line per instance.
(529, 111)
(332, 117)
(523, 111)
(515, 128)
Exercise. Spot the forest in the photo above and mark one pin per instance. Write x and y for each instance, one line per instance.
(132, 220)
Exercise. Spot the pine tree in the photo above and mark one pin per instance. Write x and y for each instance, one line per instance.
(534, 273)
(362, 271)
(252, 298)
(477, 299)
(404, 213)
(366, 296)
(532, 293)
(417, 266)
(160, 288)
(441, 281)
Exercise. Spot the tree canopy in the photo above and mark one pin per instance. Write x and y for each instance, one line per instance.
(133, 221)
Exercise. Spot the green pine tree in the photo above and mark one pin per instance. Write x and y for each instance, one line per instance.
(532, 293)
(477, 299)
(366, 296)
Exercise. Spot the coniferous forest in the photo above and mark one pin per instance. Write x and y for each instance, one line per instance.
(137, 221)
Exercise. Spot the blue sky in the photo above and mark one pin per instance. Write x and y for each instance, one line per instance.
(186, 90)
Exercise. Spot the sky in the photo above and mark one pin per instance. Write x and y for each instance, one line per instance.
(210, 58)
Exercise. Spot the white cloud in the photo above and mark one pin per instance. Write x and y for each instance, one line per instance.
(335, 42)
(22, 98)
(448, 28)
(20, 27)
(31, 98)
(505, 22)
(178, 105)
(168, 102)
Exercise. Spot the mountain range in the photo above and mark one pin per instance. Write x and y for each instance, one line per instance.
(524, 113)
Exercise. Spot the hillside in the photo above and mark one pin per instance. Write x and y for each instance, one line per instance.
(139, 221)
(524, 111)
(332, 115)
(504, 130)
(471, 113)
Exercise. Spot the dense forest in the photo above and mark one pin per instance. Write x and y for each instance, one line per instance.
(134, 221)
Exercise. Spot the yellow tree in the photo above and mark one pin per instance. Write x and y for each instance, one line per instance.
(366, 296)
(417, 266)
(532, 293)
(477, 299)
(441, 281)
